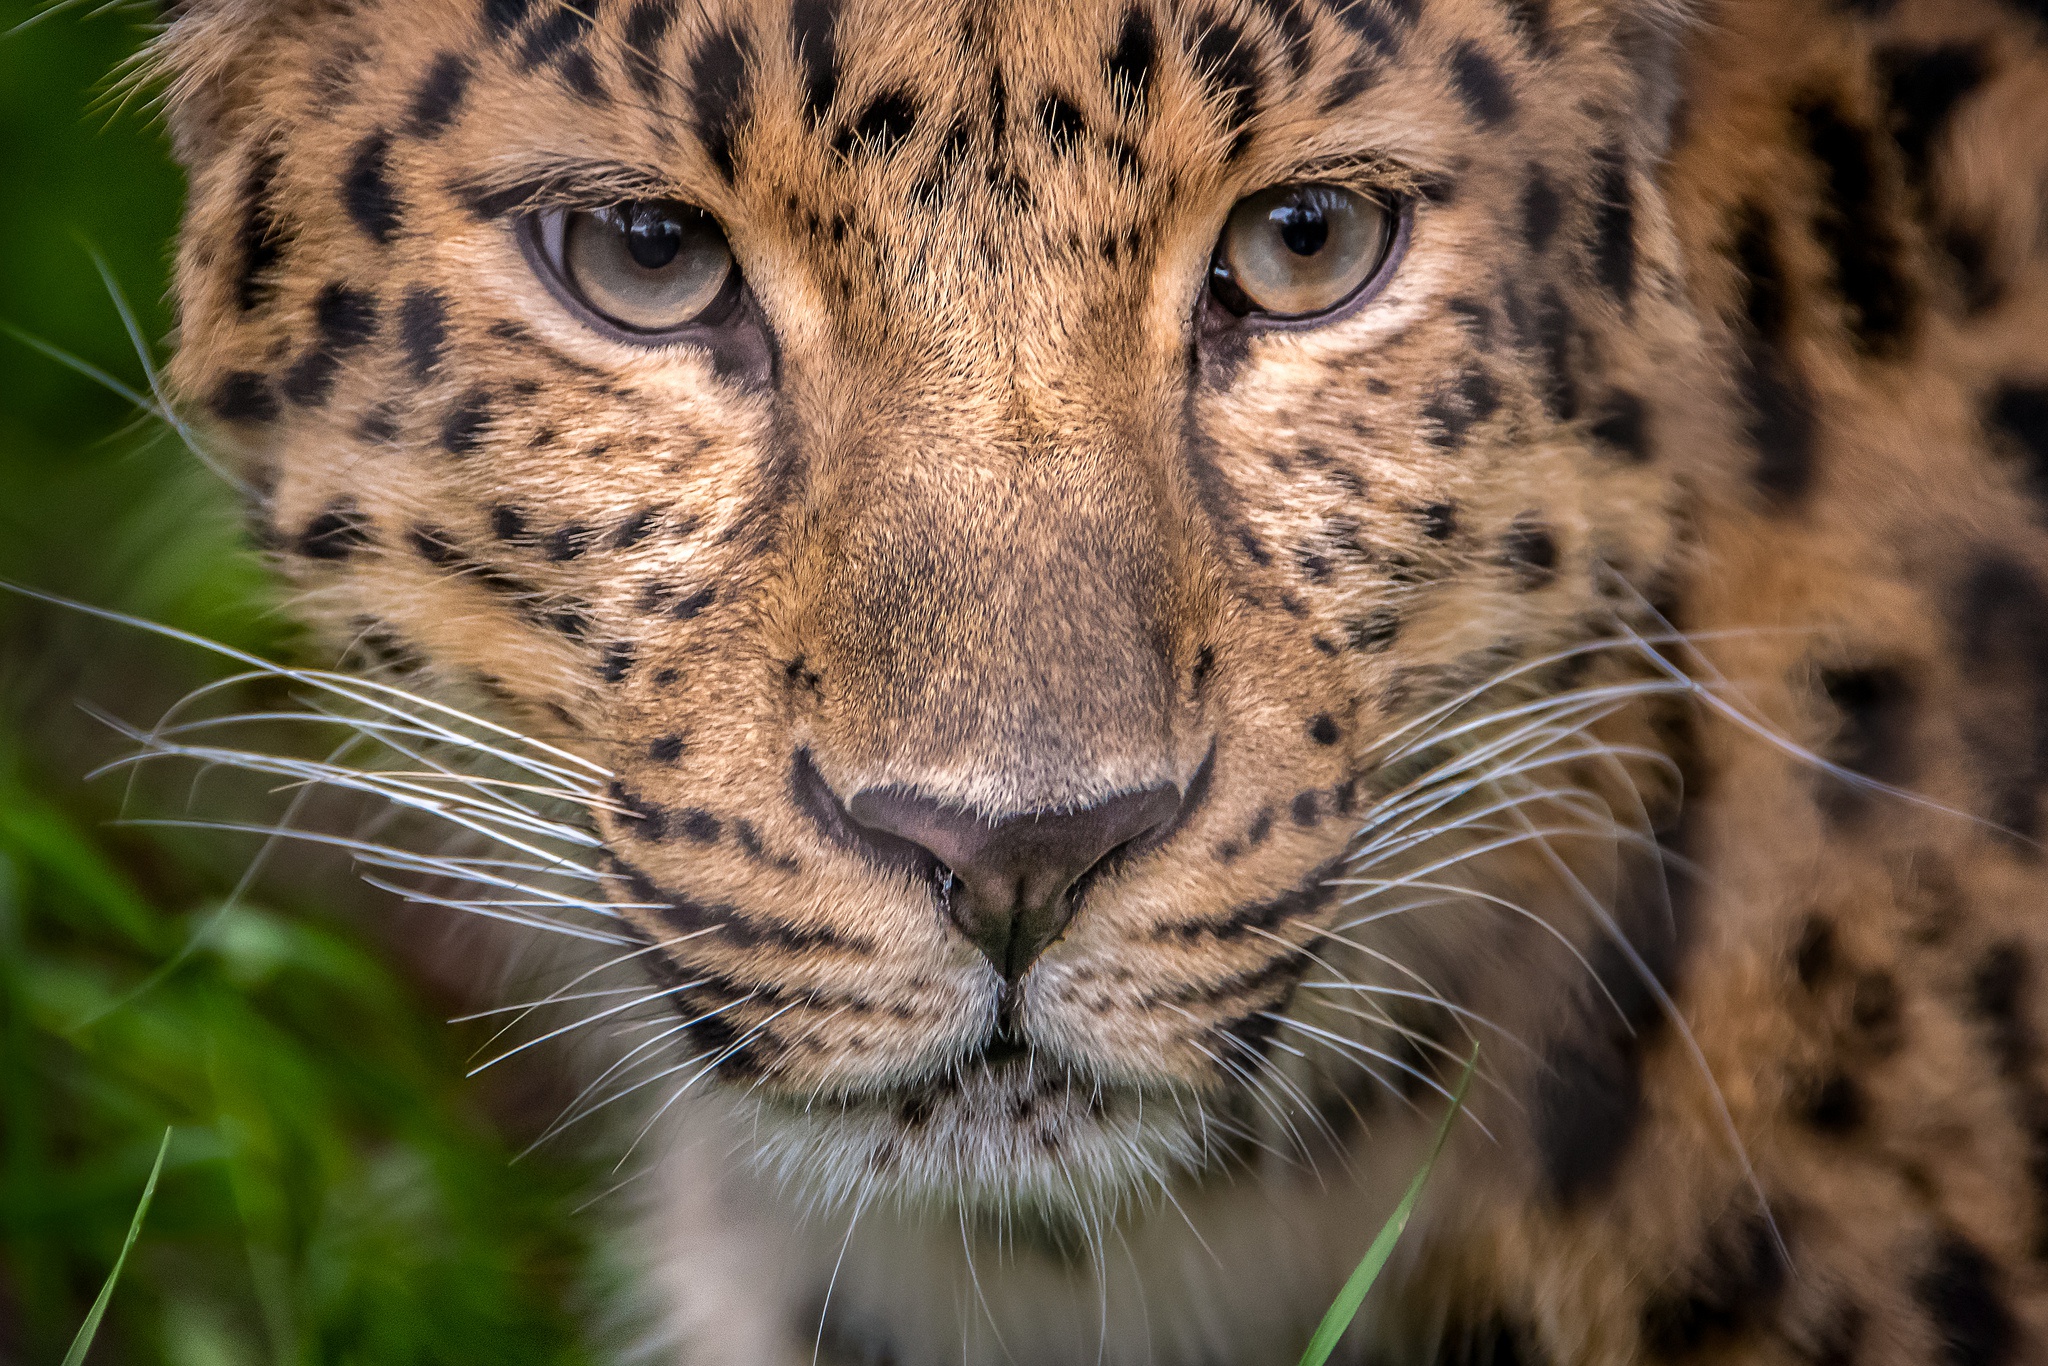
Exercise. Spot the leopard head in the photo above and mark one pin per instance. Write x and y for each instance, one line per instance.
(1042, 510)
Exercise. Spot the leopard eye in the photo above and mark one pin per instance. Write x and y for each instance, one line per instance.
(1295, 251)
(647, 266)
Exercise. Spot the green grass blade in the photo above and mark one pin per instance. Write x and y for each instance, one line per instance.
(81, 1344)
(1338, 1318)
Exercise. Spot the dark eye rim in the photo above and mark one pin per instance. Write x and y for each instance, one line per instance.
(541, 237)
(1252, 317)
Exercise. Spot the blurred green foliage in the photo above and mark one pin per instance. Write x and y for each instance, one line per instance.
(335, 1192)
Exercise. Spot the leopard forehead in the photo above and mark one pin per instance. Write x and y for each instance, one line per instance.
(990, 516)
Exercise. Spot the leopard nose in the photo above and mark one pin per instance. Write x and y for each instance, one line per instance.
(1012, 876)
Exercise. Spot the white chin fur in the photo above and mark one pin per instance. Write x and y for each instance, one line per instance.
(1007, 1141)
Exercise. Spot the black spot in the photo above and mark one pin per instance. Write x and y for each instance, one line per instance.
(1614, 225)
(694, 604)
(1872, 737)
(1477, 319)
(462, 431)
(1735, 1290)
(260, 237)
(1531, 20)
(1295, 32)
(2002, 624)
(634, 529)
(379, 425)
(1129, 65)
(1453, 411)
(2018, 412)
(1874, 1009)
(1356, 78)
(1622, 424)
(618, 657)
(578, 72)
(568, 542)
(435, 546)
(642, 819)
(1375, 631)
(508, 523)
(1925, 84)
(1998, 988)
(501, 17)
(665, 749)
(1959, 1291)
(343, 320)
(1969, 251)
(571, 622)
(1542, 210)
(718, 94)
(1126, 158)
(1837, 1107)
(243, 396)
(998, 111)
(1323, 730)
(564, 26)
(1439, 520)
(1481, 85)
(1588, 1105)
(1547, 329)
(813, 25)
(888, 119)
(1062, 123)
(437, 99)
(1530, 550)
(1814, 956)
(1369, 20)
(366, 191)
(1306, 808)
(647, 23)
(700, 827)
(1855, 226)
(1781, 423)
(422, 329)
(336, 533)
(1590, 1108)
(1227, 62)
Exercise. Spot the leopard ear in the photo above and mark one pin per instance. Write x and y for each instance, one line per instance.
(213, 57)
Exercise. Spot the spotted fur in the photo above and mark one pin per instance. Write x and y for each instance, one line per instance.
(1704, 420)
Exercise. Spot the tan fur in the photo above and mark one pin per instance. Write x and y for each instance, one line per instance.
(1009, 526)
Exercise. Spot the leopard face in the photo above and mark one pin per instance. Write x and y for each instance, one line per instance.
(1003, 610)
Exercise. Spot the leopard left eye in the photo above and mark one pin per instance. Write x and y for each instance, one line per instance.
(648, 267)
(1297, 251)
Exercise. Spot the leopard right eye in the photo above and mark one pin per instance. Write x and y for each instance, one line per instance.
(648, 267)
(1300, 251)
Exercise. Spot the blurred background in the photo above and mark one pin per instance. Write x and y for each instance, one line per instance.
(335, 1190)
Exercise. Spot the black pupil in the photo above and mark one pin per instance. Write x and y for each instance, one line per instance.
(1302, 226)
(653, 236)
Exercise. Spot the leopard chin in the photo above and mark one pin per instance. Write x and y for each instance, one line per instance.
(1009, 1137)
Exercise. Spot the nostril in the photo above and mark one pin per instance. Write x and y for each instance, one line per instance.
(1013, 874)
(816, 798)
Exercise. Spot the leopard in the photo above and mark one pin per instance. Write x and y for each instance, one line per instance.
(1176, 602)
